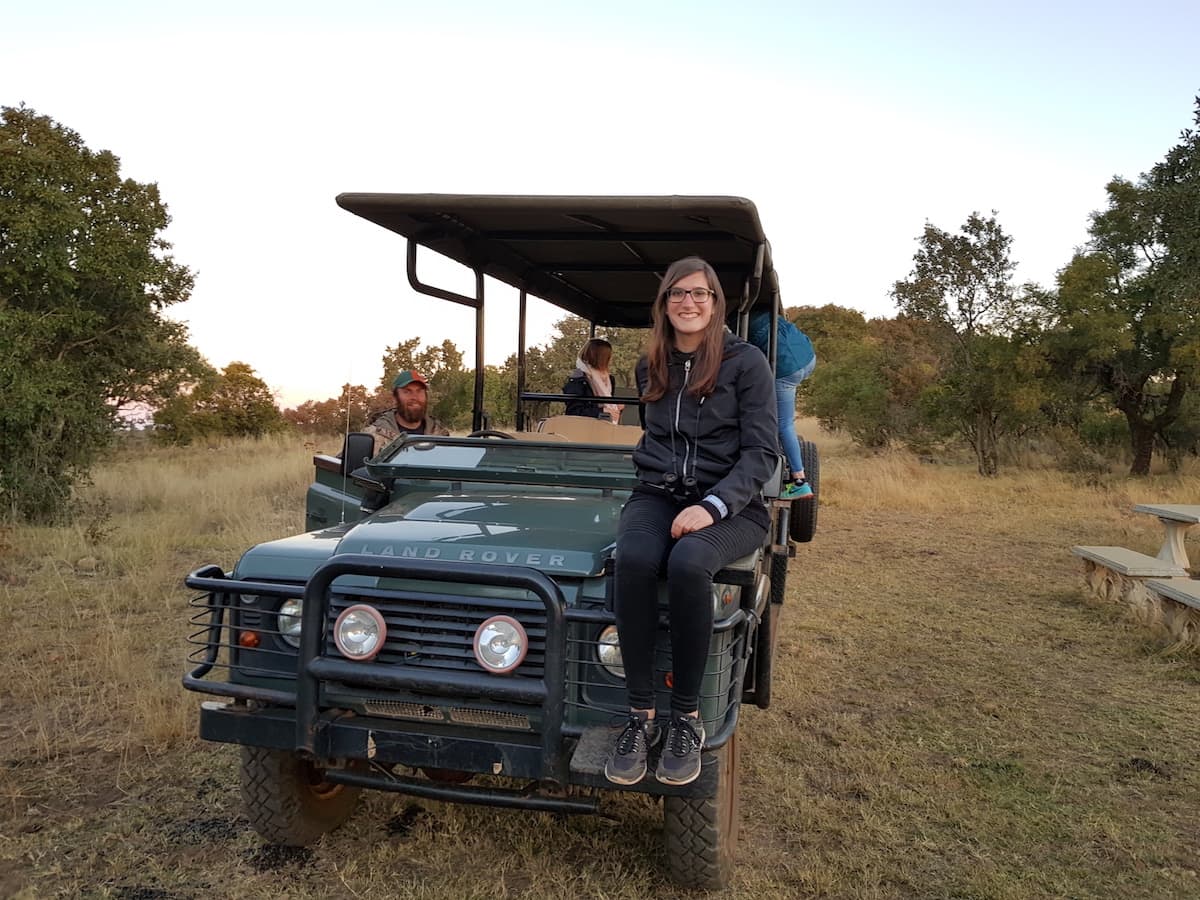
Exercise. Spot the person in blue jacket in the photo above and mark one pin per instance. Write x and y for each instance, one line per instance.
(795, 360)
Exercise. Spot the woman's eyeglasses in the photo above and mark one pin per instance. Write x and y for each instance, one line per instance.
(699, 295)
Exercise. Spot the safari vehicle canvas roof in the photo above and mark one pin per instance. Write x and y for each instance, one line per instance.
(600, 258)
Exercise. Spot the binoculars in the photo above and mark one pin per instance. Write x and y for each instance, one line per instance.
(684, 489)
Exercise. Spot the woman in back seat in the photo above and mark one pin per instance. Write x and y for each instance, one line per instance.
(590, 379)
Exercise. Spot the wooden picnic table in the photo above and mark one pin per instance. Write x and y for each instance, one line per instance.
(1176, 519)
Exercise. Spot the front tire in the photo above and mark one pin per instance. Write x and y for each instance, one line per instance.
(764, 654)
(701, 833)
(288, 800)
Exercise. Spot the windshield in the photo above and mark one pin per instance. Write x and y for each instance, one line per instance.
(497, 459)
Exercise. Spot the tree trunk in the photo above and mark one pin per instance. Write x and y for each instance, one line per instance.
(986, 457)
(1141, 434)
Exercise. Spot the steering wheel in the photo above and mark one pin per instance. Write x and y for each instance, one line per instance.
(492, 433)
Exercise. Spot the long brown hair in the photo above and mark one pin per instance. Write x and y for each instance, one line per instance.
(662, 334)
(596, 353)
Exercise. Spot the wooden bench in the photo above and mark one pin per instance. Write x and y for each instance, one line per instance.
(1176, 519)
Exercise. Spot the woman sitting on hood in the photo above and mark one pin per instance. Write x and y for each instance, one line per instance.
(709, 446)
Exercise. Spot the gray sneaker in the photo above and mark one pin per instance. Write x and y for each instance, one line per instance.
(680, 760)
(627, 762)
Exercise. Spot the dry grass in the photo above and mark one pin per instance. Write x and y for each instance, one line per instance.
(954, 718)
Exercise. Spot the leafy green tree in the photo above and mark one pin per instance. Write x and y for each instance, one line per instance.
(829, 327)
(1001, 393)
(1126, 315)
(964, 283)
(851, 394)
(871, 386)
(85, 277)
(499, 394)
(834, 331)
(234, 403)
(349, 411)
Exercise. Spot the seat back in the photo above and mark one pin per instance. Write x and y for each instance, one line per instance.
(774, 486)
(586, 430)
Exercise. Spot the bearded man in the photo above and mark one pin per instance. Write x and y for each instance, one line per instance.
(410, 390)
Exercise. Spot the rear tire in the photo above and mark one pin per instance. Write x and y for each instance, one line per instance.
(802, 519)
(701, 833)
(288, 800)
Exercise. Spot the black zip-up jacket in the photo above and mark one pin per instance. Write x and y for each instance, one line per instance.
(579, 386)
(729, 440)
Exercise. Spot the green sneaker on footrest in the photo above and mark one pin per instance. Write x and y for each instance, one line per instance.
(797, 490)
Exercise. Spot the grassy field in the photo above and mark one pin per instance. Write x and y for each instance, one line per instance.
(953, 717)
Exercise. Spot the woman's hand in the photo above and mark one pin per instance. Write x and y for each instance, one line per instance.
(691, 518)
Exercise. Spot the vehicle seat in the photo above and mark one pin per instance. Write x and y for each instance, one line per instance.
(586, 430)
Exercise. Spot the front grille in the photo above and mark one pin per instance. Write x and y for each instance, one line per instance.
(397, 709)
(494, 718)
(436, 631)
(489, 718)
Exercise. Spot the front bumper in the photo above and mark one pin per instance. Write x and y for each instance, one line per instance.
(551, 754)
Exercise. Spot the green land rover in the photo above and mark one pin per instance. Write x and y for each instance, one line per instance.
(444, 627)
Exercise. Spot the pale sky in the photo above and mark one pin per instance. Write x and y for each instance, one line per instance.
(848, 127)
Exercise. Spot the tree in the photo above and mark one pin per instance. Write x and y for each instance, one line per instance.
(964, 282)
(829, 327)
(349, 411)
(871, 385)
(234, 403)
(84, 279)
(1126, 315)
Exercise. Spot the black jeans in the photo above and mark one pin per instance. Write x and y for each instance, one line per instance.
(644, 550)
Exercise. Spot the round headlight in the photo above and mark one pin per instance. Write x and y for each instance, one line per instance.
(289, 620)
(359, 632)
(500, 644)
(608, 650)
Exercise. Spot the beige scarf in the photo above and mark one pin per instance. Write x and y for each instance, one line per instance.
(601, 387)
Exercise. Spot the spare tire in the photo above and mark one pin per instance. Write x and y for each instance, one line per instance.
(802, 519)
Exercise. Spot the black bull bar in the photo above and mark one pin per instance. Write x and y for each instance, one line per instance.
(313, 668)
(316, 736)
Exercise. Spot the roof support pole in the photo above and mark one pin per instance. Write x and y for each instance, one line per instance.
(477, 406)
(521, 423)
(476, 303)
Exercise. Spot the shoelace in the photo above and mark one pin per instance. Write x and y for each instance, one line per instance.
(683, 737)
(628, 740)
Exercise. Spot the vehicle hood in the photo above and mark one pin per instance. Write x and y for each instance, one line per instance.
(556, 531)
(553, 531)
(290, 559)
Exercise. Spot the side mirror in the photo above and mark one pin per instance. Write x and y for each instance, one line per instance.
(357, 449)
(375, 492)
